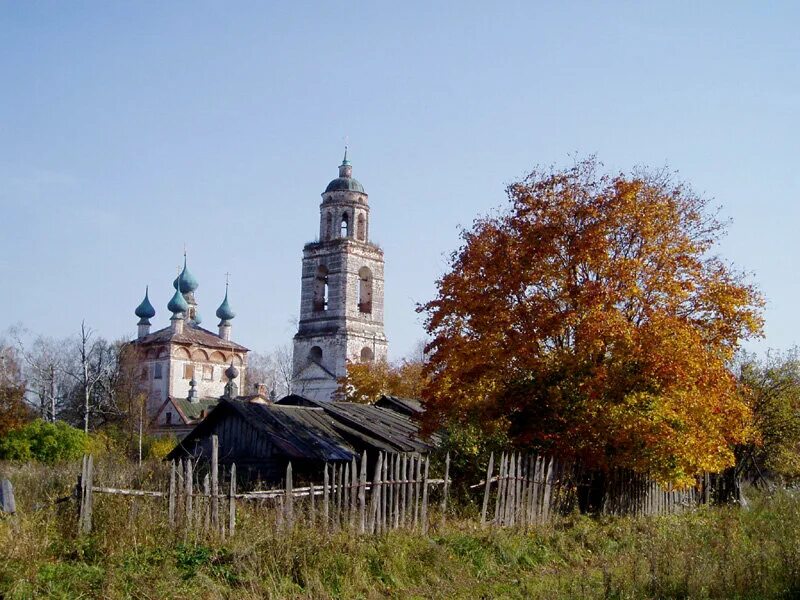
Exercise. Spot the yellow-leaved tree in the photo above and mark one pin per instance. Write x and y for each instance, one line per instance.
(593, 320)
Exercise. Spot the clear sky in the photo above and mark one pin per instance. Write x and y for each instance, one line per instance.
(130, 128)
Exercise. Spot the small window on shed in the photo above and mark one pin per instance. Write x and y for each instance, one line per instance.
(168, 418)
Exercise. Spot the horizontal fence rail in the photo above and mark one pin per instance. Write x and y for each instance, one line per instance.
(396, 496)
(519, 490)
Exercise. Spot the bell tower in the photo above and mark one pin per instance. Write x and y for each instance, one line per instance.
(341, 298)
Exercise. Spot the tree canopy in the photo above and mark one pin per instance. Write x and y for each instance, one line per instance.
(366, 382)
(591, 319)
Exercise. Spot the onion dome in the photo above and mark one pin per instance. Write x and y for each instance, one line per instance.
(231, 372)
(178, 303)
(345, 181)
(224, 312)
(185, 282)
(145, 310)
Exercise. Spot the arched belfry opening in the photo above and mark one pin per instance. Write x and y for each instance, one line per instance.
(315, 354)
(361, 228)
(367, 355)
(321, 289)
(365, 290)
(344, 226)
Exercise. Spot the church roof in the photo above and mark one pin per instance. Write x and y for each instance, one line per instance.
(345, 184)
(191, 334)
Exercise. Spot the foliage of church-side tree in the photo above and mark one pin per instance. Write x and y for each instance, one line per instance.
(14, 412)
(368, 381)
(771, 388)
(591, 319)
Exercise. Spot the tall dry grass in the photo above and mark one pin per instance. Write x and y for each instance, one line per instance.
(723, 552)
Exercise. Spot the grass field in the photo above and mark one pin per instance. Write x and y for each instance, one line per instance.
(722, 552)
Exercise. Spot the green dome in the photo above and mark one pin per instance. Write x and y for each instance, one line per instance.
(185, 282)
(145, 310)
(178, 303)
(345, 184)
(224, 312)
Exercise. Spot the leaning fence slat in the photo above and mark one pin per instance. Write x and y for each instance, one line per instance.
(189, 483)
(325, 499)
(289, 500)
(353, 492)
(548, 488)
(417, 479)
(232, 502)
(424, 516)
(215, 482)
(87, 512)
(403, 486)
(486, 491)
(206, 504)
(375, 492)
(171, 501)
(501, 481)
(445, 489)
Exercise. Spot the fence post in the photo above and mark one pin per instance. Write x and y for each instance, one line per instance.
(88, 499)
(80, 493)
(345, 517)
(189, 483)
(499, 503)
(548, 485)
(206, 509)
(353, 492)
(396, 491)
(171, 500)
(402, 489)
(374, 499)
(445, 487)
(487, 489)
(424, 516)
(325, 498)
(417, 479)
(289, 503)
(232, 502)
(362, 494)
(215, 482)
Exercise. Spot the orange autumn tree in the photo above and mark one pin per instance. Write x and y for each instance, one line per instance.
(592, 320)
(366, 382)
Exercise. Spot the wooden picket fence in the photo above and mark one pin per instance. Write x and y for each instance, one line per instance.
(397, 496)
(529, 490)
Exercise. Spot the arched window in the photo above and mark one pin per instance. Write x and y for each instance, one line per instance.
(361, 230)
(367, 355)
(321, 289)
(315, 354)
(329, 227)
(344, 227)
(365, 290)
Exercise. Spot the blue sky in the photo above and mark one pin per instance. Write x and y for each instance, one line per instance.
(129, 129)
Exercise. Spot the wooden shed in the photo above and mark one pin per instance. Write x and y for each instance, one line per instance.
(261, 438)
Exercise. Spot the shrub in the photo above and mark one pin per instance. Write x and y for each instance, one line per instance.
(45, 442)
(159, 447)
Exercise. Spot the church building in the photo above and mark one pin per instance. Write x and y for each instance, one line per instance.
(341, 297)
(184, 369)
